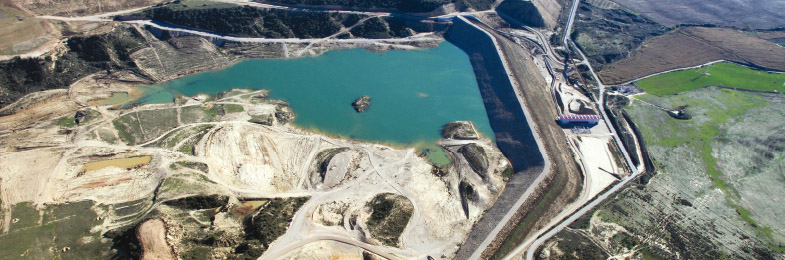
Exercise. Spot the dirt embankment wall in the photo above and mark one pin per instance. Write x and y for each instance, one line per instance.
(549, 10)
(513, 134)
(522, 11)
(152, 237)
(535, 13)
(564, 180)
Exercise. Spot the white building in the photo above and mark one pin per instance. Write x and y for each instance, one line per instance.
(570, 119)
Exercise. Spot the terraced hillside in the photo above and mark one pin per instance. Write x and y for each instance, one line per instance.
(224, 176)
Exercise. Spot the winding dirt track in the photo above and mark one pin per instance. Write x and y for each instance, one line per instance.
(302, 231)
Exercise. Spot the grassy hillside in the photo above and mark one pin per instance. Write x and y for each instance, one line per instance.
(19, 31)
(44, 233)
(716, 190)
(732, 140)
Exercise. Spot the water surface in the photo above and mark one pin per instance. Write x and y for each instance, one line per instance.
(413, 93)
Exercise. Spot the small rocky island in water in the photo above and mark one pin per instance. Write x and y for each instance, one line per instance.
(361, 104)
(463, 130)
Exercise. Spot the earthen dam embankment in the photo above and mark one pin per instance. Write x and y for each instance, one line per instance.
(514, 136)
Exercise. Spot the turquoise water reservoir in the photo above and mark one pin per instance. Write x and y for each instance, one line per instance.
(413, 93)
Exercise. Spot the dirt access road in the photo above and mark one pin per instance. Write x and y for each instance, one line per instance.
(635, 170)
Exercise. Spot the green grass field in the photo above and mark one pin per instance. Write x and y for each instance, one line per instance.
(42, 234)
(232, 108)
(719, 74)
(68, 121)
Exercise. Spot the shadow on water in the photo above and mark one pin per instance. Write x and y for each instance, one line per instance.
(513, 135)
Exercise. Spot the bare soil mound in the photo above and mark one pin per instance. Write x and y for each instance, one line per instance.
(152, 237)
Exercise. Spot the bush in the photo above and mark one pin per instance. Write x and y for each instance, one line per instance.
(272, 221)
(86, 55)
(199, 202)
(390, 214)
(378, 28)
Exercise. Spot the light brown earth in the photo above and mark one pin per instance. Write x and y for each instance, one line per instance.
(692, 46)
(767, 35)
(152, 237)
(21, 32)
(55, 104)
(549, 10)
(129, 162)
(81, 7)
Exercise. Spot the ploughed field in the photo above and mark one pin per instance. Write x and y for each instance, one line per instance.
(736, 13)
(625, 45)
(694, 46)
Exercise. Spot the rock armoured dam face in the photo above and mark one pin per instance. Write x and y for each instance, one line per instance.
(513, 134)
(514, 137)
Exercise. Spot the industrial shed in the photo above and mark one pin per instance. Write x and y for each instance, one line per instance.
(571, 119)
